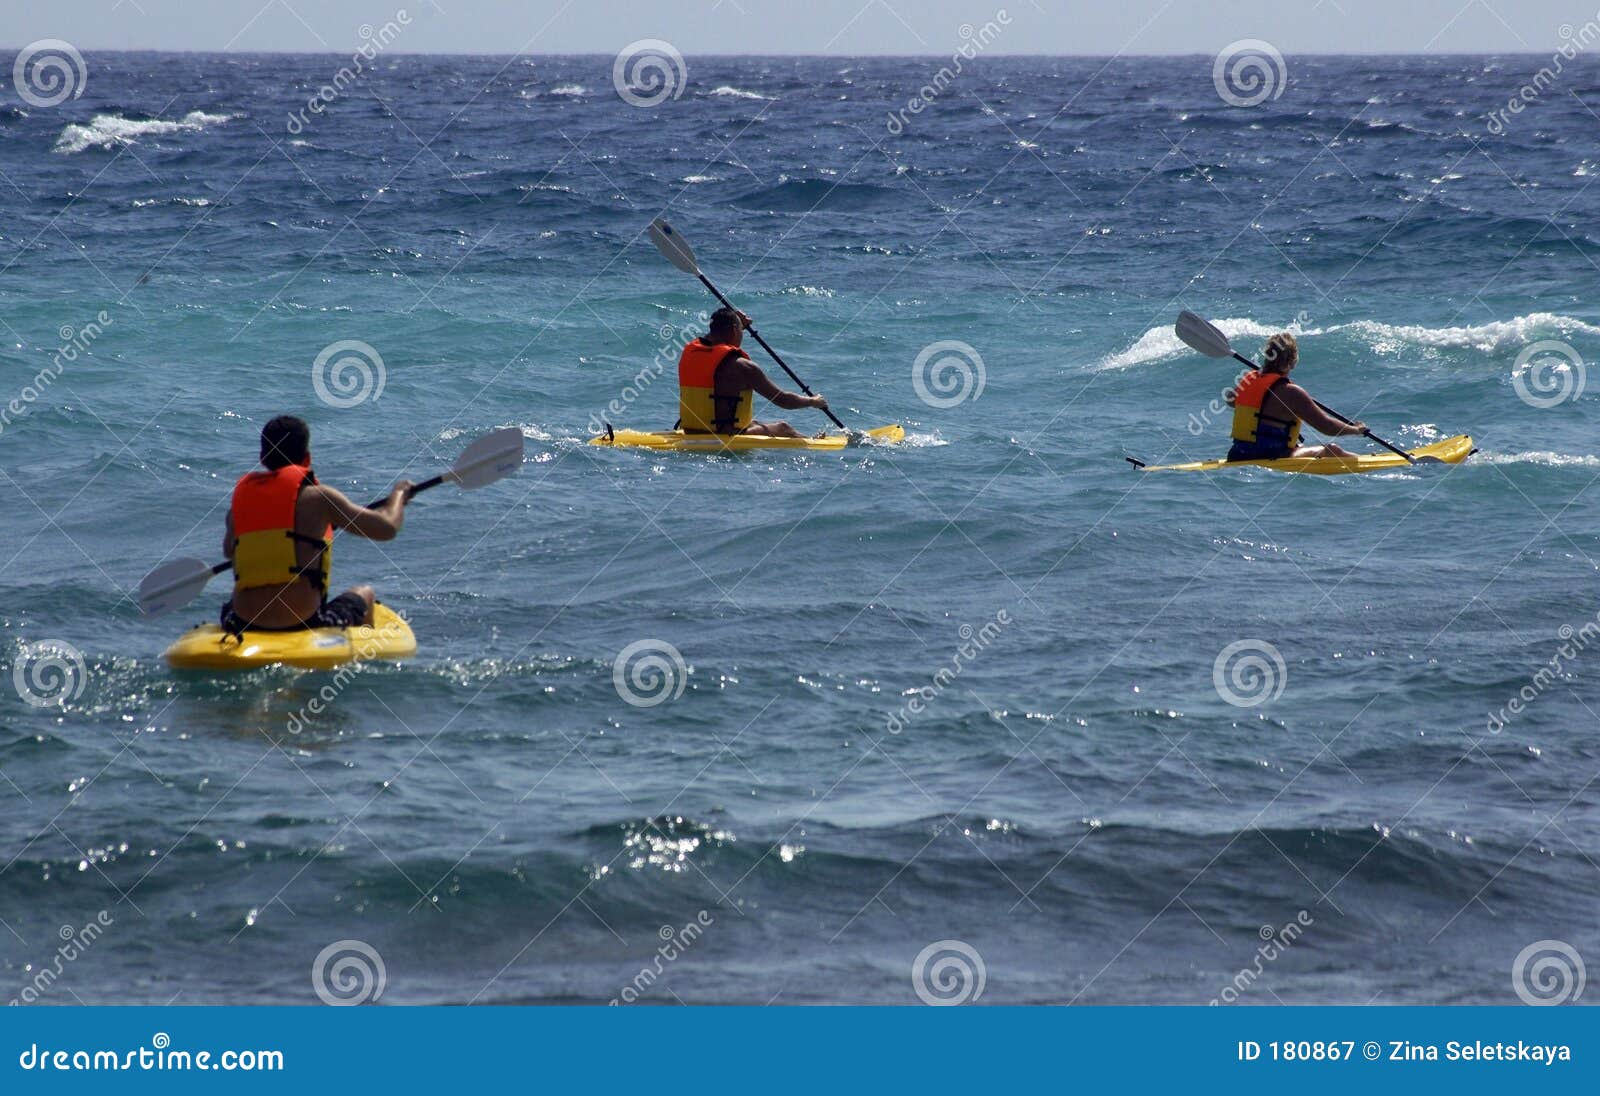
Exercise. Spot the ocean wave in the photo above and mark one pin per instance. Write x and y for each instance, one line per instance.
(113, 130)
(728, 92)
(1162, 343)
(806, 195)
(1541, 456)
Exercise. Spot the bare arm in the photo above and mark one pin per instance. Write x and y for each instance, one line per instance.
(227, 537)
(381, 522)
(751, 375)
(1298, 402)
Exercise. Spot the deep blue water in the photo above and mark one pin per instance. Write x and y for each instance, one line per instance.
(1078, 804)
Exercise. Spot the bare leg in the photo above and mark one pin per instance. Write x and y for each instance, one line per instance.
(368, 595)
(772, 430)
(1329, 450)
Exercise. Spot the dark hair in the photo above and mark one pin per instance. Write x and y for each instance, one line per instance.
(285, 440)
(724, 319)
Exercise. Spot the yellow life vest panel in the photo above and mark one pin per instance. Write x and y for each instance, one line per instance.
(265, 549)
(700, 409)
(1249, 425)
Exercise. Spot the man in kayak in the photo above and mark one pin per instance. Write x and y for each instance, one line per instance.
(716, 380)
(1268, 409)
(280, 538)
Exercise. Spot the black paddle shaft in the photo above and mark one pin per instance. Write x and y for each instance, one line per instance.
(757, 335)
(416, 489)
(1326, 410)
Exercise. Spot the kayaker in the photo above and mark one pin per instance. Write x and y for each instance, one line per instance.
(280, 538)
(716, 380)
(1268, 409)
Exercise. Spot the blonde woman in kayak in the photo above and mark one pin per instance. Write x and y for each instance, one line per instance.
(716, 382)
(279, 537)
(1268, 409)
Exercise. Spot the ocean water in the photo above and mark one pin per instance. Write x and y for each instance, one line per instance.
(990, 697)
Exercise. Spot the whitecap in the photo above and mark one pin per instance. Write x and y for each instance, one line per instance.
(569, 90)
(728, 92)
(111, 130)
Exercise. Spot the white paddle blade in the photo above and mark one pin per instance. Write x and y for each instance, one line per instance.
(673, 246)
(1202, 336)
(492, 457)
(173, 585)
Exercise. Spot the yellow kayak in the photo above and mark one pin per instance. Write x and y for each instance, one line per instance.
(737, 443)
(1449, 451)
(209, 648)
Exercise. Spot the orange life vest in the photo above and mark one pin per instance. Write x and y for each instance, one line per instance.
(700, 409)
(1249, 425)
(265, 539)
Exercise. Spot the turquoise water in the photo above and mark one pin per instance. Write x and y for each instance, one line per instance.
(1076, 801)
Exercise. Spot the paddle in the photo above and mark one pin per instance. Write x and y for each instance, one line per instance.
(678, 253)
(1206, 338)
(492, 457)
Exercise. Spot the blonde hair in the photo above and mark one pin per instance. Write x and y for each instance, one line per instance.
(1282, 352)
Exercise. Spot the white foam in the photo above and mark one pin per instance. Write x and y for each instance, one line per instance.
(1161, 343)
(727, 92)
(569, 90)
(1541, 456)
(111, 130)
